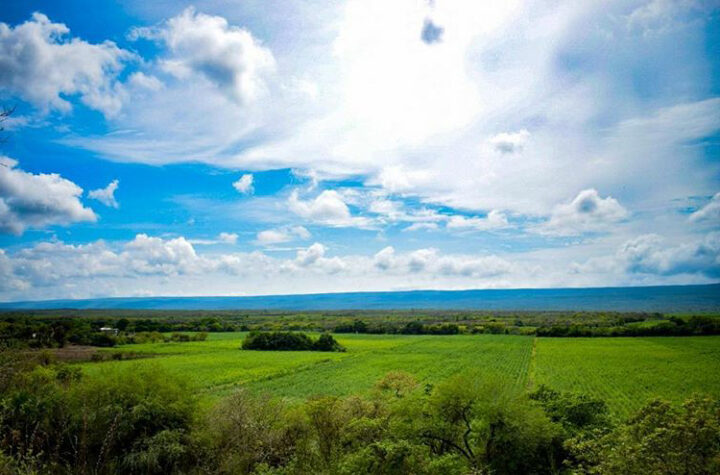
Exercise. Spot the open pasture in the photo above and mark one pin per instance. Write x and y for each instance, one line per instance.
(626, 372)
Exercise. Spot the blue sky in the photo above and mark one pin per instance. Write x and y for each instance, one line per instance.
(255, 147)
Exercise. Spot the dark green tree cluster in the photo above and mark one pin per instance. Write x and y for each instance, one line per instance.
(674, 326)
(289, 341)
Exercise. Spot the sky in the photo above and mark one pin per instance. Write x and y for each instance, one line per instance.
(278, 147)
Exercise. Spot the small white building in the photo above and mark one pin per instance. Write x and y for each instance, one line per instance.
(109, 330)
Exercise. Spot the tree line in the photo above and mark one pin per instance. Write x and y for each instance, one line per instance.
(48, 330)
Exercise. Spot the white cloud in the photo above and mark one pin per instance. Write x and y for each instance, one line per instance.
(228, 238)
(141, 80)
(390, 209)
(28, 200)
(313, 258)
(39, 63)
(420, 226)
(244, 184)
(153, 255)
(385, 258)
(300, 231)
(106, 195)
(588, 212)
(280, 235)
(433, 262)
(709, 212)
(397, 178)
(648, 254)
(271, 236)
(510, 142)
(228, 56)
(494, 220)
(657, 16)
(311, 255)
(327, 208)
(157, 266)
(407, 116)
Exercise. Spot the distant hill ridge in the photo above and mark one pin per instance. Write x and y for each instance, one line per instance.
(676, 298)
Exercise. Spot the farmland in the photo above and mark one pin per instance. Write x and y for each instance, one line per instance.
(626, 372)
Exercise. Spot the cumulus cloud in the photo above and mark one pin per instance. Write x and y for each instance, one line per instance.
(244, 184)
(54, 265)
(30, 200)
(106, 195)
(280, 235)
(153, 255)
(385, 258)
(42, 64)
(172, 266)
(311, 255)
(313, 259)
(494, 220)
(648, 254)
(228, 238)
(510, 142)
(228, 56)
(431, 261)
(327, 208)
(710, 212)
(588, 212)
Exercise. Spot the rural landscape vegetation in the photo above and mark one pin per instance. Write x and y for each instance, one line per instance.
(387, 392)
(422, 237)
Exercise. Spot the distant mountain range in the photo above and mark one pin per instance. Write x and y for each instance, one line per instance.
(685, 298)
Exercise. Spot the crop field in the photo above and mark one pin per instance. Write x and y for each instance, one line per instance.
(626, 372)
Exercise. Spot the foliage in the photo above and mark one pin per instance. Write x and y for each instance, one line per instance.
(289, 341)
(660, 438)
(135, 420)
(27, 331)
(55, 328)
(576, 413)
(139, 419)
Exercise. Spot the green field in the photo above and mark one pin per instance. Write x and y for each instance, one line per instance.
(626, 372)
